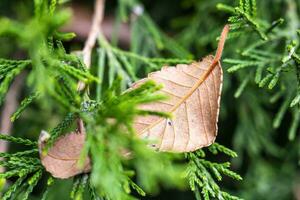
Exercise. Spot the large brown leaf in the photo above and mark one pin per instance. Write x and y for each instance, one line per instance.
(194, 99)
(62, 158)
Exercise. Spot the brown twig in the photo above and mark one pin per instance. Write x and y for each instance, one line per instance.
(81, 23)
(86, 53)
(93, 35)
(89, 45)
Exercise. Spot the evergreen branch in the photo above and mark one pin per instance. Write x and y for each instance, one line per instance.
(19, 172)
(32, 182)
(93, 193)
(83, 76)
(8, 78)
(19, 154)
(8, 62)
(147, 60)
(244, 16)
(79, 187)
(13, 188)
(216, 148)
(60, 129)
(26, 161)
(50, 182)
(17, 140)
(282, 110)
(199, 173)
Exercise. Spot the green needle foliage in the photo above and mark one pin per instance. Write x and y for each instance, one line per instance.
(259, 115)
(123, 165)
(25, 166)
(268, 61)
(201, 173)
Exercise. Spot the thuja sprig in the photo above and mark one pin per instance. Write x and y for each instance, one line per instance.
(120, 61)
(79, 185)
(8, 71)
(60, 129)
(148, 60)
(201, 173)
(244, 16)
(17, 140)
(48, 61)
(24, 165)
(266, 59)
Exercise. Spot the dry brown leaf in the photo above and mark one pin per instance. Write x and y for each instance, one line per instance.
(194, 99)
(62, 158)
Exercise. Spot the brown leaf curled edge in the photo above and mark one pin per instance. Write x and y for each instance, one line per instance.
(62, 158)
(194, 100)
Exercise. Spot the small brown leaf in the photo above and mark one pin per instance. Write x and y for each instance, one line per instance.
(62, 158)
(194, 99)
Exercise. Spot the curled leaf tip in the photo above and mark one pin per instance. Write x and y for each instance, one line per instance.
(221, 43)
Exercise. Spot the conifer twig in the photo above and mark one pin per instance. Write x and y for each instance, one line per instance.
(92, 37)
(90, 43)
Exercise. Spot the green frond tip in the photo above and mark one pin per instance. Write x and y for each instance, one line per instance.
(273, 81)
(230, 197)
(243, 17)
(4, 61)
(242, 87)
(35, 177)
(265, 80)
(148, 60)
(17, 140)
(2, 183)
(294, 125)
(201, 173)
(19, 154)
(8, 77)
(226, 8)
(216, 147)
(274, 24)
(60, 129)
(79, 186)
(240, 64)
(24, 104)
(137, 188)
(282, 110)
(295, 101)
(64, 36)
(33, 181)
(13, 188)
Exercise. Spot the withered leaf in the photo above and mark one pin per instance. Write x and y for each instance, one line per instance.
(194, 99)
(62, 158)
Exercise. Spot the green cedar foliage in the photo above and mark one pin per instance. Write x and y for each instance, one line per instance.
(106, 110)
(262, 56)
